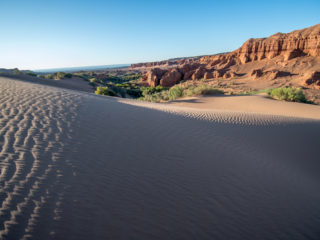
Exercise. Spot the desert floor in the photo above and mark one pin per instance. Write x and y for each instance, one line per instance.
(79, 166)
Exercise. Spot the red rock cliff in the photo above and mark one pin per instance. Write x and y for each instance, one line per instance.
(285, 46)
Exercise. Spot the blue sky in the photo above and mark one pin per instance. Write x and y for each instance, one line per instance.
(48, 34)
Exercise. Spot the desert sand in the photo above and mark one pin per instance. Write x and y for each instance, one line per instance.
(79, 166)
(260, 103)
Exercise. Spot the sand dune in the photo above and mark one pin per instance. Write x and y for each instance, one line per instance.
(252, 104)
(79, 166)
(73, 83)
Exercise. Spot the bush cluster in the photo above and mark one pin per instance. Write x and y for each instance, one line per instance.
(178, 91)
(121, 78)
(58, 75)
(105, 91)
(16, 71)
(120, 90)
(288, 94)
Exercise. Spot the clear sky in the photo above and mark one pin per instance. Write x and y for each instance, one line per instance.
(37, 34)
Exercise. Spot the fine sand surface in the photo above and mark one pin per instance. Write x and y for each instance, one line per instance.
(79, 166)
(252, 104)
(73, 83)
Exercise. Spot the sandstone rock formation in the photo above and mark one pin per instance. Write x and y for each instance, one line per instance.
(170, 78)
(313, 79)
(153, 76)
(273, 53)
(256, 73)
(271, 75)
(208, 75)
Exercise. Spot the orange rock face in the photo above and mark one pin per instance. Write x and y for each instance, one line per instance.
(170, 78)
(280, 46)
(313, 79)
(295, 44)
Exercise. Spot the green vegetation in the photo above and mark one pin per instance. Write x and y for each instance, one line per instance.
(203, 89)
(288, 94)
(120, 84)
(122, 78)
(179, 91)
(156, 97)
(105, 91)
(31, 74)
(48, 76)
(152, 90)
(255, 92)
(58, 75)
(123, 90)
(154, 94)
(175, 92)
(16, 71)
(107, 78)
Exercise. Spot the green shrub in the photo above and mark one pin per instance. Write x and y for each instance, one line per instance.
(16, 71)
(152, 90)
(175, 92)
(288, 94)
(31, 74)
(59, 75)
(201, 90)
(135, 93)
(93, 80)
(48, 76)
(68, 75)
(105, 91)
(159, 94)
(156, 97)
(81, 75)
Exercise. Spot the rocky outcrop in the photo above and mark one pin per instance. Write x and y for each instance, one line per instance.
(281, 46)
(199, 73)
(312, 79)
(256, 73)
(208, 75)
(188, 70)
(218, 73)
(230, 74)
(170, 78)
(271, 75)
(153, 76)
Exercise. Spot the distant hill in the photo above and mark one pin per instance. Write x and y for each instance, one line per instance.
(84, 68)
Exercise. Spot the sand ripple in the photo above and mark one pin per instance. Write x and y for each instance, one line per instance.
(222, 116)
(33, 125)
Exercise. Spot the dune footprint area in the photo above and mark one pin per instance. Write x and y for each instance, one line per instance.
(79, 166)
